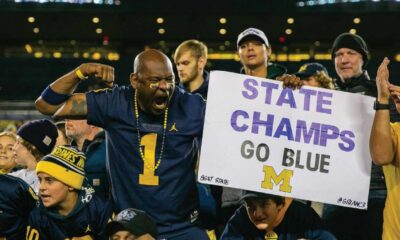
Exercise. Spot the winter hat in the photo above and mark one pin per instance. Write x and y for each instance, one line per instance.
(66, 164)
(134, 221)
(252, 33)
(351, 41)
(40, 133)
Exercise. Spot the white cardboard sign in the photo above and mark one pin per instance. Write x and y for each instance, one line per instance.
(309, 144)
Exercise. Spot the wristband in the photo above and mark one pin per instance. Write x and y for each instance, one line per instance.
(54, 98)
(80, 75)
(380, 106)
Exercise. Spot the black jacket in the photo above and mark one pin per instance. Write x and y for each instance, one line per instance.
(363, 85)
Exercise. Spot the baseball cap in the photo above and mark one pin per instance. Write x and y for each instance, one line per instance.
(309, 69)
(252, 32)
(134, 221)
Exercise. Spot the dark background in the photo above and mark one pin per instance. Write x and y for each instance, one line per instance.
(131, 26)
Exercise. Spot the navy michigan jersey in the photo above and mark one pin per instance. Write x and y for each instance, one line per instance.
(167, 193)
(87, 220)
(17, 200)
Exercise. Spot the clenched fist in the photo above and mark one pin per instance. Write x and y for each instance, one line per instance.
(101, 72)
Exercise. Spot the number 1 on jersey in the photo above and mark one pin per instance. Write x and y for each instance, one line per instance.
(149, 142)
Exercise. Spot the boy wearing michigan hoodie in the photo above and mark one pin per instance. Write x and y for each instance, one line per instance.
(68, 207)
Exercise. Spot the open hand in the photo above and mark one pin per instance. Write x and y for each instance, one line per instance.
(382, 82)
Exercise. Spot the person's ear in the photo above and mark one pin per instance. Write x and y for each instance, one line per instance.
(238, 57)
(133, 79)
(280, 206)
(269, 50)
(202, 62)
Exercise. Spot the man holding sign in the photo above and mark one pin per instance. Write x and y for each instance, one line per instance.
(254, 51)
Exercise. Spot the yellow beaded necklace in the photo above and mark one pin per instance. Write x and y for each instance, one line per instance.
(138, 134)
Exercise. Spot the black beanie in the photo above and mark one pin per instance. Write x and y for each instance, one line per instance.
(40, 133)
(351, 41)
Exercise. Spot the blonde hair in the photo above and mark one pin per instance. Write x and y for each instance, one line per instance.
(324, 80)
(8, 134)
(198, 49)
